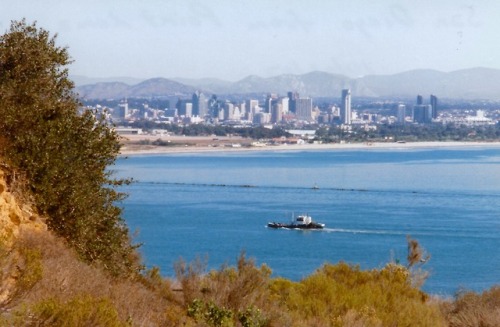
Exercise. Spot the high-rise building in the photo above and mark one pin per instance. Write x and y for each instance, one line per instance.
(262, 118)
(215, 106)
(243, 111)
(303, 109)
(292, 98)
(434, 104)
(422, 113)
(200, 104)
(420, 100)
(345, 107)
(270, 100)
(401, 113)
(285, 103)
(184, 108)
(252, 105)
(123, 109)
(228, 111)
(277, 113)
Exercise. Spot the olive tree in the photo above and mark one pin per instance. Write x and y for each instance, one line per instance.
(64, 154)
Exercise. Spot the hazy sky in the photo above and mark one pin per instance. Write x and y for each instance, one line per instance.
(231, 39)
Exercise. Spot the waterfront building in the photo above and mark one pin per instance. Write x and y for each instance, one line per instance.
(478, 120)
(345, 107)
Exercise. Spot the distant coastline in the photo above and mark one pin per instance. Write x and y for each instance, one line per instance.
(131, 146)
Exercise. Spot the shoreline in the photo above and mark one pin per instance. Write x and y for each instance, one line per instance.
(138, 149)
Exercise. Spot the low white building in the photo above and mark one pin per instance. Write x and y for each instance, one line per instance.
(478, 119)
(128, 131)
(303, 133)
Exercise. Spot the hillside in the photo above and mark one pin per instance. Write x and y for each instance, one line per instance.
(475, 83)
(41, 276)
(155, 87)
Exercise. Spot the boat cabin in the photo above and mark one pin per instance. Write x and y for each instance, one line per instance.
(303, 220)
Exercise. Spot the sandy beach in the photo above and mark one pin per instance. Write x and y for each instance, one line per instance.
(135, 145)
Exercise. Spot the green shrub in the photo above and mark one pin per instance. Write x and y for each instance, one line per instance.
(80, 311)
(340, 293)
(252, 317)
(210, 313)
(63, 154)
(30, 268)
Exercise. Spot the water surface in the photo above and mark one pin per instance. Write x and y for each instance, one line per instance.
(217, 204)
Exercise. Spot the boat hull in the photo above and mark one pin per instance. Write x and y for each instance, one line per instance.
(296, 226)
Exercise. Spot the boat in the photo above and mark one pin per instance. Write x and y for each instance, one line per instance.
(299, 222)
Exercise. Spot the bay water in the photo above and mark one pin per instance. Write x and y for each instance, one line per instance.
(216, 205)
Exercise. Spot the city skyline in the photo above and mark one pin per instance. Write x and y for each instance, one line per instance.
(232, 40)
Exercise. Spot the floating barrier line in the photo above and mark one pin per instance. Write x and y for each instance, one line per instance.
(312, 188)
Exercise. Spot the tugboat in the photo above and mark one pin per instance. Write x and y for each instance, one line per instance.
(299, 222)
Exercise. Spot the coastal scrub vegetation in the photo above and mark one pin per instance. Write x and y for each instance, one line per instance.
(56, 288)
(85, 271)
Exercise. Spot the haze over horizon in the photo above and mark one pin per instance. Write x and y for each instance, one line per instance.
(231, 40)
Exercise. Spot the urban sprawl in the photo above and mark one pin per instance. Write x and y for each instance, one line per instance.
(293, 118)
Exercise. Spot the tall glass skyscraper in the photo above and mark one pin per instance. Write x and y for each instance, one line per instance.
(200, 104)
(345, 107)
(434, 104)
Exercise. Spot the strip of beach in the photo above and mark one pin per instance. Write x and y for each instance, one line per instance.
(143, 145)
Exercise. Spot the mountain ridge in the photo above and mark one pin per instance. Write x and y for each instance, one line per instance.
(473, 83)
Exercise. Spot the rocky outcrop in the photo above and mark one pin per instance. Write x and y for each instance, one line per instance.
(15, 215)
(15, 218)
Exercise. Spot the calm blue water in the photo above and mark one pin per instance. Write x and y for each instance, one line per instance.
(188, 205)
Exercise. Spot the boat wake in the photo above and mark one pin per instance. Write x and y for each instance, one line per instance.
(362, 231)
(347, 231)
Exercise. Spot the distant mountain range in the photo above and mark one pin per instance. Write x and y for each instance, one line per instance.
(474, 83)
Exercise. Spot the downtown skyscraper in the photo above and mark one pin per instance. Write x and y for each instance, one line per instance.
(345, 107)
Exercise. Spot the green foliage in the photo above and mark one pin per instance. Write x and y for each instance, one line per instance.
(252, 317)
(30, 269)
(335, 295)
(410, 133)
(228, 295)
(341, 293)
(210, 313)
(64, 154)
(80, 311)
(218, 130)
